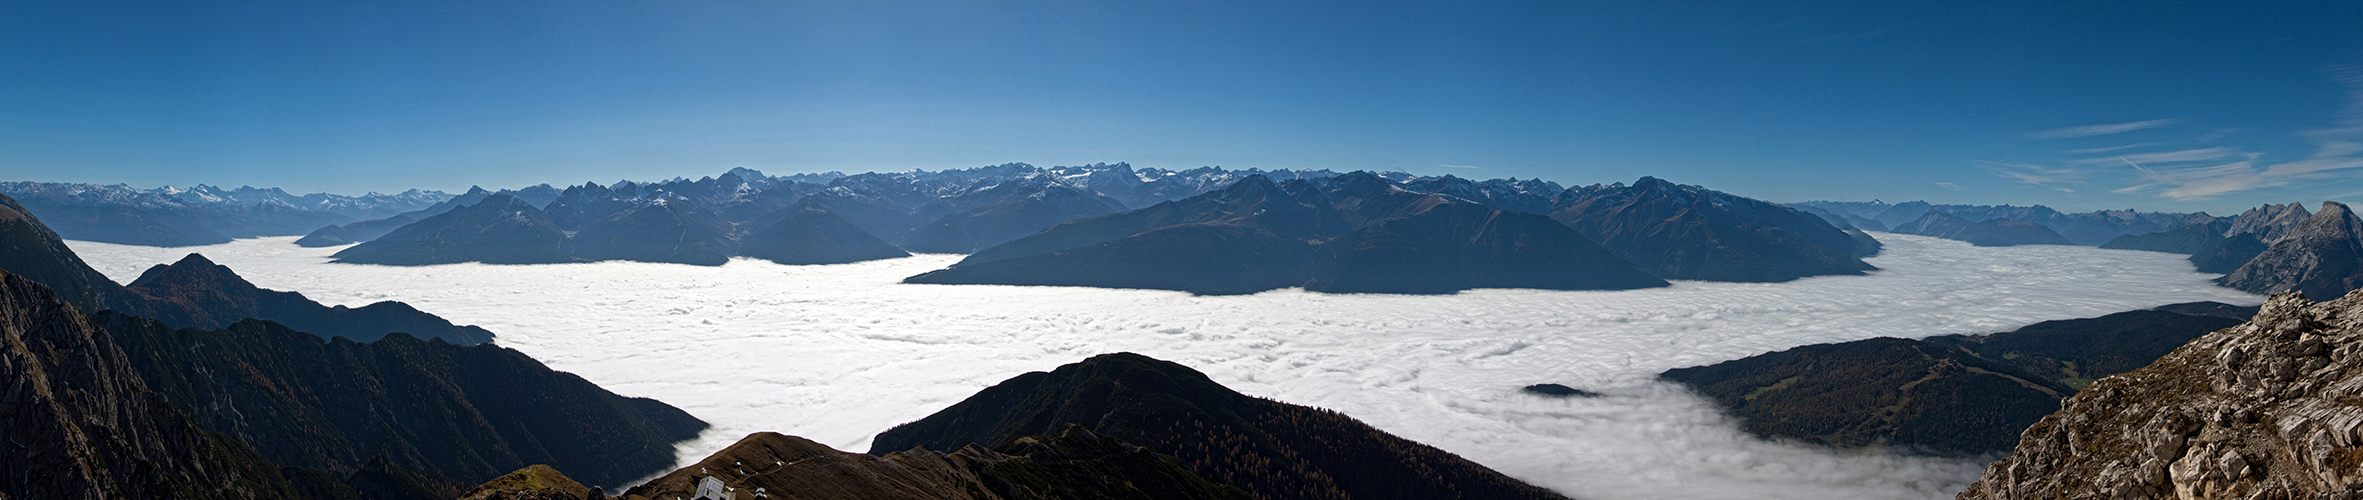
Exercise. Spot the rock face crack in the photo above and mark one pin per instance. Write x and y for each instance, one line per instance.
(2266, 409)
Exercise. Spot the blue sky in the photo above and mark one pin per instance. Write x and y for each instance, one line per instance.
(2077, 105)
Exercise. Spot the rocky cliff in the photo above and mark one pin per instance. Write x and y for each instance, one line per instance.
(2269, 409)
(81, 424)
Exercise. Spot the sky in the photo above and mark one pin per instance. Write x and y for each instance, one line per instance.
(2079, 105)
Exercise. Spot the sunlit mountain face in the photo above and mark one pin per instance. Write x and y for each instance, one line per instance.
(838, 353)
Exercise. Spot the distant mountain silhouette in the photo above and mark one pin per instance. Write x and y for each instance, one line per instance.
(1689, 232)
(1987, 233)
(1004, 213)
(1448, 246)
(196, 293)
(1346, 234)
(665, 230)
(469, 413)
(2198, 233)
(810, 234)
(2322, 258)
(354, 233)
(2087, 228)
(499, 230)
(202, 215)
(1270, 449)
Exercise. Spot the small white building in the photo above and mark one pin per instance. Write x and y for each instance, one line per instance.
(712, 489)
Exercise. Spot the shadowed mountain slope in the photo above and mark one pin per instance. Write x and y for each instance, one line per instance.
(1987, 233)
(197, 293)
(810, 234)
(2187, 239)
(1270, 449)
(1011, 211)
(354, 233)
(1880, 391)
(82, 424)
(1951, 395)
(469, 413)
(30, 249)
(663, 230)
(499, 230)
(1354, 233)
(1450, 246)
(1689, 232)
(1072, 464)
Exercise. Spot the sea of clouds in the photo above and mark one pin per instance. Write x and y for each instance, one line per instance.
(838, 353)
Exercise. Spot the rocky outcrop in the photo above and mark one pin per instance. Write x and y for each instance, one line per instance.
(2270, 223)
(80, 422)
(499, 230)
(2267, 409)
(1270, 449)
(2322, 258)
(1987, 233)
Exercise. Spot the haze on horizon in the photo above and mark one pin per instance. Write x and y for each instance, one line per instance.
(2077, 106)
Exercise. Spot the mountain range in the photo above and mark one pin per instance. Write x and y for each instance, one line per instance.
(1360, 232)
(195, 292)
(2087, 228)
(202, 215)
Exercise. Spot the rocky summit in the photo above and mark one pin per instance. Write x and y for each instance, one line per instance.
(2269, 409)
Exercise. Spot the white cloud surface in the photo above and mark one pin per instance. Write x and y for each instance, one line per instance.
(839, 353)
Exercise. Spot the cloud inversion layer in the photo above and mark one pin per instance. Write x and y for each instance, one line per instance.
(839, 353)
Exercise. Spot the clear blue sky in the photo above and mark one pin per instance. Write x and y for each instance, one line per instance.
(2078, 105)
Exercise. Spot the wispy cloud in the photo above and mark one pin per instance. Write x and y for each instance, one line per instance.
(2094, 151)
(1952, 186)
(2187, 155)
(2197, 174)
(2038, 175)
(2200, 183)
(1460, 166)
(2103, 129)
